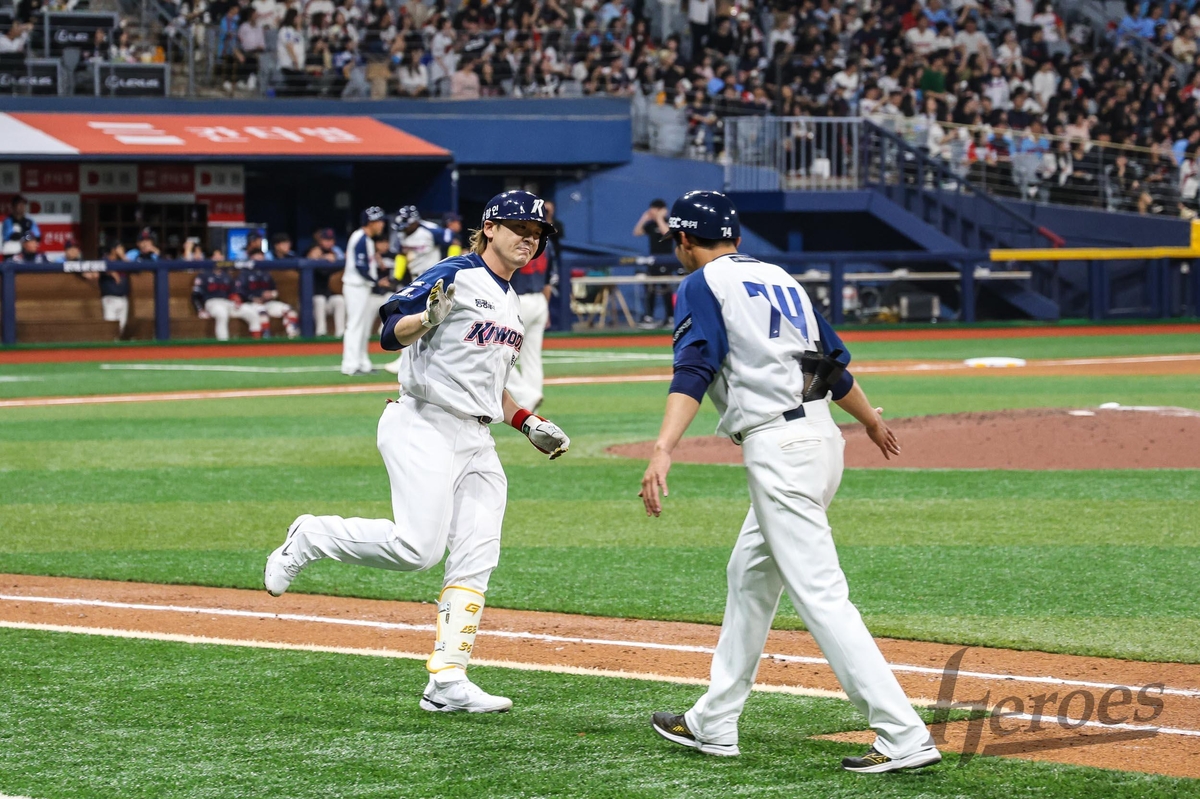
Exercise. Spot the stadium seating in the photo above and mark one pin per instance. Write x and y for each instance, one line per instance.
(1076, 102)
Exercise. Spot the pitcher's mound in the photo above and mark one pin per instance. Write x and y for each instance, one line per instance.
(1102, 438)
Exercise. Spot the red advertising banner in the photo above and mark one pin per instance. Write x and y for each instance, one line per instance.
(191, 135)
(159, 178)
(56, 178)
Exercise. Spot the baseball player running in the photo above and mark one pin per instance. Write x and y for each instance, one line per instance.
(359, 279)
(747, 334)
(461, 327)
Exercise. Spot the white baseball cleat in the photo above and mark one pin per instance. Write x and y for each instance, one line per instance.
(393, 367)
(284, 563)
(461, 695)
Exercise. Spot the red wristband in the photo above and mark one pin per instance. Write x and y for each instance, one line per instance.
(519, 418)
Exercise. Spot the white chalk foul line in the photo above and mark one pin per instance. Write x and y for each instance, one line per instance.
(521, 666)
(958, 366)
(299, 391)
(705, 650)
(213, 367)
(108, 632)
(367, 388)
(1114, 726)
(178, 396)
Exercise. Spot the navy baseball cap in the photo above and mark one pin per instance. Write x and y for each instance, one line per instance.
(146, 233)
(450, 217)
(705, 214)
(326, 233)
(31, 236)
(372, 214)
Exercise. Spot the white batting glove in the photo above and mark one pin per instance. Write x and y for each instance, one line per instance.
(546, 436)
(438, 306)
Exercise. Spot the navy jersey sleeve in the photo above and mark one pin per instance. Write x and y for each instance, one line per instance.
(833, 341)
(412, 300)
(701, 344)
(362, 256)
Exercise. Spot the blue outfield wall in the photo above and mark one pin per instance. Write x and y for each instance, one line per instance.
(1092, 227)
(601, 208)
(494, 132)
(838, 221)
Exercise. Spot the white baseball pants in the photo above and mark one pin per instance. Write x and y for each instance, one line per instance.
(115, 309)
(277, 309)
(794, 469)
(448, 490)
(362, 312)
(525, 381)
(322, 307)
(274, 309)
(221, 310)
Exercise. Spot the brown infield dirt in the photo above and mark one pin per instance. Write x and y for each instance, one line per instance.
(1129, 726)
(1094, 438)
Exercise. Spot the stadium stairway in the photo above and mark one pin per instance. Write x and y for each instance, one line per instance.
(928, 191)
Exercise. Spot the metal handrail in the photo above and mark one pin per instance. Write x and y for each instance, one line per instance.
(838, 264)
(940, 178)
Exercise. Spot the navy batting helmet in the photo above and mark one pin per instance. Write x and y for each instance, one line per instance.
(520, 205)
(372, 214)
(706, 215)
(405, 217)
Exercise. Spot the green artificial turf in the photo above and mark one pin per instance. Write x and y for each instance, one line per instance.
(84, 717)
(1095, 562)
(116, 376)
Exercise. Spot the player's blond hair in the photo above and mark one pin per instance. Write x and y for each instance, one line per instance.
(478, 241)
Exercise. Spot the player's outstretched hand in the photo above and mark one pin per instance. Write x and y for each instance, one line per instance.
(438, 306)
(654, 479)
(546, 436)
(883, 436)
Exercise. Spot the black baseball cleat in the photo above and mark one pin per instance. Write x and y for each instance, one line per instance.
(674, 729)
(875, 762)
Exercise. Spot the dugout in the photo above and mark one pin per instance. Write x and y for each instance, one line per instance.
(96, 176)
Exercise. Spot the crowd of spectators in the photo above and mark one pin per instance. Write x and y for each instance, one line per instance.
(1009, 88)
(972, 80)
(1033, 109)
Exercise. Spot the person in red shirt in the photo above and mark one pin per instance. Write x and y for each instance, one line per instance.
(910, 17)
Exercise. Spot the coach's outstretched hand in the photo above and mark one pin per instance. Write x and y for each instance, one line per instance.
(438, 306)
(546, 436)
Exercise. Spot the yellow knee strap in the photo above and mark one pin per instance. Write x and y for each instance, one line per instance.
(459, 611)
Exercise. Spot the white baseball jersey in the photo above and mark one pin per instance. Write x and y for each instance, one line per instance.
(749, 322)
(421, 250)
(744, 326)
(362, 264)
(463, 364)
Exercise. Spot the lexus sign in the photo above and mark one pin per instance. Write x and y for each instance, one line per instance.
(132, 80)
